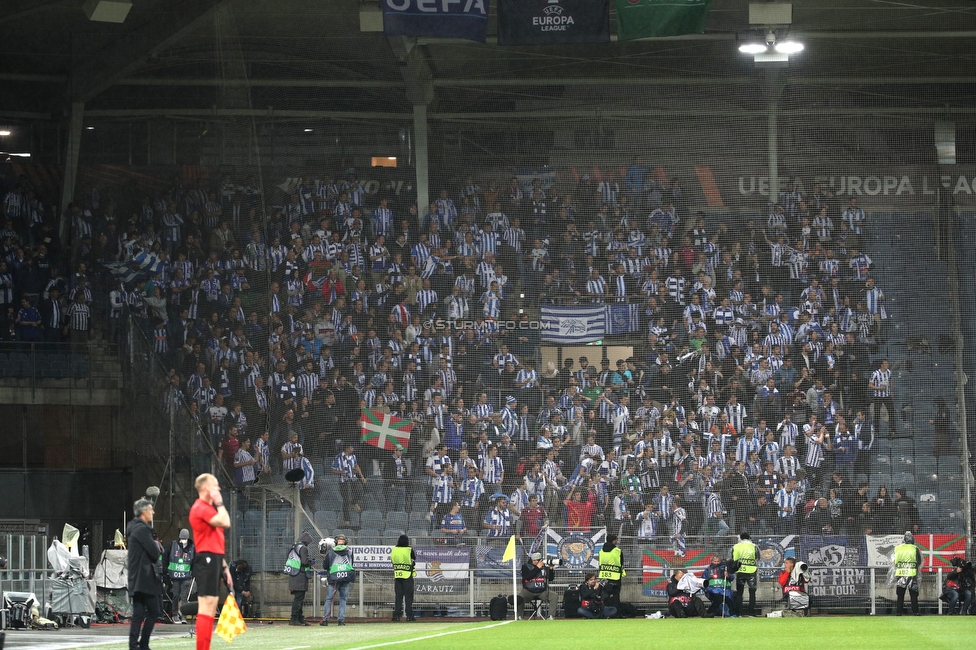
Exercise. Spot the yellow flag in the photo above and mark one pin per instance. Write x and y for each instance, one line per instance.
(509, 550)
(119, 539)
(230, 623)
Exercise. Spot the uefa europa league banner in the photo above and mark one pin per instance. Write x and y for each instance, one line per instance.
(466, 19)
(553, 22)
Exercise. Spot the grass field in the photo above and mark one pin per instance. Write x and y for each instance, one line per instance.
(843, 633)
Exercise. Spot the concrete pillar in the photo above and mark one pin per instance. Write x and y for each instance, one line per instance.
(75, 128)
(420, 148)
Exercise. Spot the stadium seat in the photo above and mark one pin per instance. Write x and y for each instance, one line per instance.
(326, 519)
(417, 533)
(397, 519)
(20, 365)
(418, 519)
(348, 532)
(371, 519)
(354, 521)
(79, 365)
(369, 536)
(419, 502)
(252, 518)
(374, 501)
(280, 523)
(393, 531)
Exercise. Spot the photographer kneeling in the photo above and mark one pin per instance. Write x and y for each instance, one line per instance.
(683, 601)
(536, 575)
(793, 579)
(591, 599)
(958, 587)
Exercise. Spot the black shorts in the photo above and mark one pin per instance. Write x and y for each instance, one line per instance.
(207, 569)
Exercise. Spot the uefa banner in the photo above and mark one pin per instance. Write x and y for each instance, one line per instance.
(553, 22)
(467, 19)
(656, 18)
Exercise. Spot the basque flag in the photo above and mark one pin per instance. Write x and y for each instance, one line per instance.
(385, 431)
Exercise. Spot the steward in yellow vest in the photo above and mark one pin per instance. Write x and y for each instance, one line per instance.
(404, 562)
(905, 562)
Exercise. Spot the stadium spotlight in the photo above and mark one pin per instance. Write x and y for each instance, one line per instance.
(752, 48)
(4, 133)
(789, 47)
(309, 130)
(89, 128)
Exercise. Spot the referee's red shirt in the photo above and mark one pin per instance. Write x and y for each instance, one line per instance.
(206, 538)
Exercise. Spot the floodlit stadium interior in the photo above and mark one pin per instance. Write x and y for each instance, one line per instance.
(668, 285)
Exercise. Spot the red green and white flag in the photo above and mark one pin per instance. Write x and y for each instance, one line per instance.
(384, 430)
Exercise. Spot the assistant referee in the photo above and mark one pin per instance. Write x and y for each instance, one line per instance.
(208, 519)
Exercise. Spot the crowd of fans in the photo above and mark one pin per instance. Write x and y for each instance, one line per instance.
(751, 399)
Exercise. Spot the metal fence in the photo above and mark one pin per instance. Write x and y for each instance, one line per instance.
(459, 579)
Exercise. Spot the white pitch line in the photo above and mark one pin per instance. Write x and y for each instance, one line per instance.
(430, 636)
(297, 647)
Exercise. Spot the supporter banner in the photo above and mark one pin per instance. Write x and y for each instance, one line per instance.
(489, 564)
(442, 570)
(838, 583)
(573, 325)
(547, 177)
(879, 549)
(938, 550)
(658, 565)
(623, 319)
(466, 19)
(831, 551)
(142, 265)
(576, 551)
(372, 557)
(772, 552)
(553, 22)
(649, 18)
(385, 431)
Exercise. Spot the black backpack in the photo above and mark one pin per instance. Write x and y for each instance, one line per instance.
(498, 608)
(571, 603)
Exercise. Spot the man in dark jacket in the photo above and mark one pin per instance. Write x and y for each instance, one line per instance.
(181, 554)
(299, 568)
(144, 564)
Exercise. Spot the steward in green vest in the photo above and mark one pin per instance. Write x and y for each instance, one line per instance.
(404, 571)
(181, 554)
(746, 556)
(905, 562)
(611, 570)
(340, 567)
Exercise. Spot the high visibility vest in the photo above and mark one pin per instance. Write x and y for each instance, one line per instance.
(611, 565)
(906, 560)
(745, 554)
(180, 559)
(341, 568)
(402, 562)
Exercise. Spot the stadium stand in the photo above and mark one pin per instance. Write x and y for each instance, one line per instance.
(334, 308)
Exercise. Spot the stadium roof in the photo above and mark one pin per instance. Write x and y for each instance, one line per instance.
(311, 55)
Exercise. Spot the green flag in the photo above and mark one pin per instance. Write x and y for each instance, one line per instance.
(650, 18)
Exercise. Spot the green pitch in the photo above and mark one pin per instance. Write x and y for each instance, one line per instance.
(874, 633)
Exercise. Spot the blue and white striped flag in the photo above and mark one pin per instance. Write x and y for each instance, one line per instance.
(140, 266)
(623, 319)
(573, 325)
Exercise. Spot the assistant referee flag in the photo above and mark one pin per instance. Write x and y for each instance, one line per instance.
(509, 550)
(650, 18)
